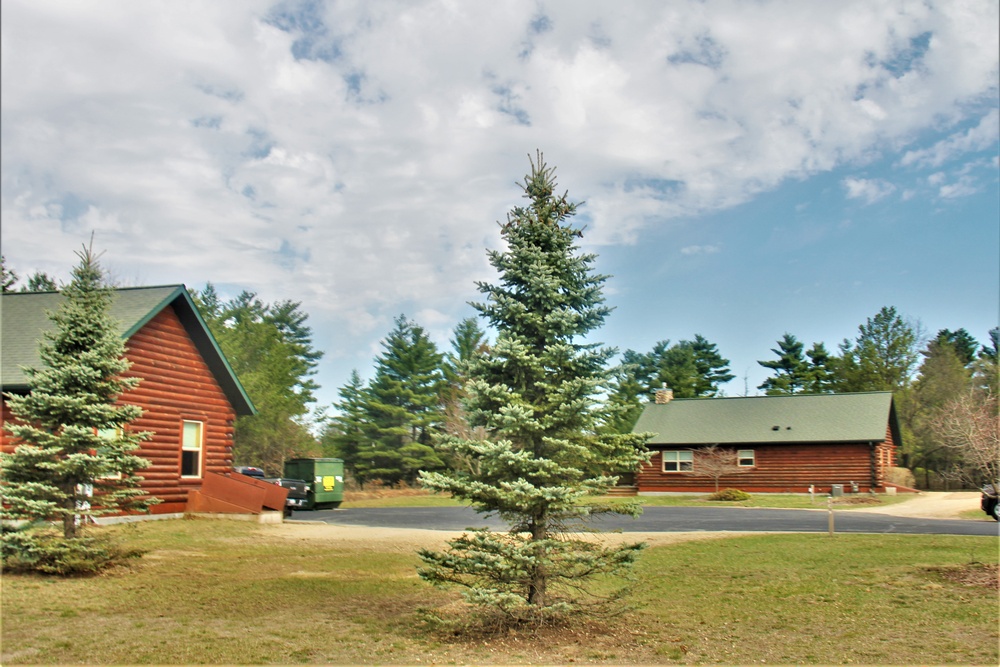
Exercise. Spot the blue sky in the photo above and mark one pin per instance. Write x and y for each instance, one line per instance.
(749, 169)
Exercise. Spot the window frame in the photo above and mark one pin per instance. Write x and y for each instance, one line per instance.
(679, 457)
(110, 434)
(740, 457)
(200, 449)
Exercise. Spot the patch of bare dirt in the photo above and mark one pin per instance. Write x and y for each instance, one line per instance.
(377, 490)
(411, 539)
(978, 575)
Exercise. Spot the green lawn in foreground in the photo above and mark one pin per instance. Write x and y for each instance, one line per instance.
(776, 501)
(239, 593)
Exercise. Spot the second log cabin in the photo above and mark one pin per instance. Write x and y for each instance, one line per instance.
(779, 444)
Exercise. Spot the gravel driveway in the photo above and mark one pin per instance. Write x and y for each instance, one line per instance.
(932, 505)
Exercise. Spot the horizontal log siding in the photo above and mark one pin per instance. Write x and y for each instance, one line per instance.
(176, 386)
(778, 469)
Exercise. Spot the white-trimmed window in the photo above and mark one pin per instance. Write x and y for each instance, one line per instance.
(192, 444)
(678, 461)
(745, 458)
(110, 434)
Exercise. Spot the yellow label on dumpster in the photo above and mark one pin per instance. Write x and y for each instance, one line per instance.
(329, 481)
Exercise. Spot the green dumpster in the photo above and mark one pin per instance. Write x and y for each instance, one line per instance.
(325, 478)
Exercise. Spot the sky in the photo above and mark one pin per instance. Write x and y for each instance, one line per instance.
(748, 168)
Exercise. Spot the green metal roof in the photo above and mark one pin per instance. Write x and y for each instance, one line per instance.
(25, 315)
(799, 418)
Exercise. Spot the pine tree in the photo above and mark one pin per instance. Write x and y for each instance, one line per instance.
(269, 346)
(627, 387)
(404, 407)
(534, 394)
(790, 368)
(8, 277)
(469, 341)
(942, 377)
(883, 356)
(40, 282)
(820, 376)
(962, 342)
(76, 460)
(674, 366)
(984, 369)
(690, 368)
(713, 369)
(344, 436)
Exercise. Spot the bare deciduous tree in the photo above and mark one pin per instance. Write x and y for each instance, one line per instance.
(968, 424)
(715, 462)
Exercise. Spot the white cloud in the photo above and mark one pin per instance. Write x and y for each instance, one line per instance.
(964, 187)
(355, 155)
(871, 190)
(981, 137)
(700, 250)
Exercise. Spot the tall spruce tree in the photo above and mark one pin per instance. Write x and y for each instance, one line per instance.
(404, 407)
(76, 460)
(533, 393)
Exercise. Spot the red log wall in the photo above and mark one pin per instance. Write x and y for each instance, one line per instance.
(782, 469)
(176, 386)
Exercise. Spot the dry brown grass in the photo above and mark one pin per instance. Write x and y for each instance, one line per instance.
(219, 592)
(377, 490)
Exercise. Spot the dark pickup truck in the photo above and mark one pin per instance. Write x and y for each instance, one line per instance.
(298, 490)
(990, 500)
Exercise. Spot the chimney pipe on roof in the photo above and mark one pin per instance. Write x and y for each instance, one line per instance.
(664, 395)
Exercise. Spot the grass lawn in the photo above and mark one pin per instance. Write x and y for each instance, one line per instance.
(412, 498)
(775, 501)
(238, 593)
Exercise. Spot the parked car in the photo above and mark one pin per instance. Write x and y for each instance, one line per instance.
(990, 500)
(298, 490)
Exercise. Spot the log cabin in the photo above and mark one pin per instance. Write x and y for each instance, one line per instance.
(189, 394)
(779, 444)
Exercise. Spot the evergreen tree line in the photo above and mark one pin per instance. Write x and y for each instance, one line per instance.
(383, 429)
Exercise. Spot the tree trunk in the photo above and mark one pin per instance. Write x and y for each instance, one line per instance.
(539, 578)
(69, 519)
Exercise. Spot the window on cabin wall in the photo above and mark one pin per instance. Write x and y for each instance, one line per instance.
(745, 458)
(678, 461)
(192, 444)
(109, 434)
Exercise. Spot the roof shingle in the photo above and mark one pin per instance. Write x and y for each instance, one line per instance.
(25, 315)
(800, 418)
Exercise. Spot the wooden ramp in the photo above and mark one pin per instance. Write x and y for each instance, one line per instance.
(236, 494)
